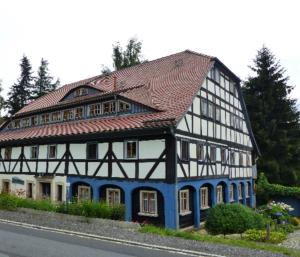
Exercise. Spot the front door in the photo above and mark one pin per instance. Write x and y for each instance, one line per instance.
(45, 190)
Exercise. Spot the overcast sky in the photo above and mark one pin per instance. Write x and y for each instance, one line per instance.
(76, 37)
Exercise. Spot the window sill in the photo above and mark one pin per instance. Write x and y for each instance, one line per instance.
(204, 208)
(185, 213)
(148, 214)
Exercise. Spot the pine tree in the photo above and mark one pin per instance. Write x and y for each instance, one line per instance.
(44, 82)
(274, 118)
(20, 92)
(128, 57)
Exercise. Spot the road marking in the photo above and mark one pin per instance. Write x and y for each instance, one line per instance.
(110, 239)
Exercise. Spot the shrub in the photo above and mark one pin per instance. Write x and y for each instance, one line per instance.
(286, 228)
(8, 202)
(232, 218)
(261, 236)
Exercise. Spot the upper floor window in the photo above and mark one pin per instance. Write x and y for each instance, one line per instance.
(92, 151)
(124, 107)
(200, 152)
(79, 113)
(232, 158)
(45, 118)
(68, 114)
(131, 149)
(56, 116)
(80, 92)
(218, 113)
(223, 155)
(184, 150)
(34, 120)
(109, 107)
(212, 153)
(26, 122)
(184, 202)
(34, 152)
(248, 159)
(7, 153)
(52, 151)
(17, 124)
(204, 107)
(94, 110)
(241, 159)
(211, 109)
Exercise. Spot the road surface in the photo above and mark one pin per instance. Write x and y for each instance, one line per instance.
(17, 241)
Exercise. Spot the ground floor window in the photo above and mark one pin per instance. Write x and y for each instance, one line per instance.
(29, 190)
(113, 196)
(45, 190)
(184, 202)
(148, 203)
(220, 194)
(231, 193)
(84, 193)
(240, 191)
(247, 190)
(5, 187)
(204, 198)
(59, 193)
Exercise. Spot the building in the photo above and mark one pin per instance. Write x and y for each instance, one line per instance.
(169, 138)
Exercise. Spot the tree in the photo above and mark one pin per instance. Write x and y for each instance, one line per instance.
(44, 82)
(128, 57)
(274, 118)
(20, 92)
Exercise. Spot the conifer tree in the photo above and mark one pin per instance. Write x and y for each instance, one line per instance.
(274, 118)
(43, 82)
(20, 92)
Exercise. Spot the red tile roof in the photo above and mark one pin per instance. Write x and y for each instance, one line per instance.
(167, 85)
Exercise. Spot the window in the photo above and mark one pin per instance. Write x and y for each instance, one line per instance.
(223, 155)
(248, 160)
(211, 109)
(92, 151)
(113, 196)
(17, 124)
(5, 187)
(203, 106)
(45, 190)
(184, 150)
(109, 107)
(232, 158)
(80, 92)
(212, 154)
(52, 151)
(34, 120)
(232, 120)
(84, 193)
(184, 202)
(204, 198)
(59, 193)
(94, 110)
(56, 116)
(218, 113)
(231, 193)
(148, 203)
(79, 113)
(29, 193)
(220, 194)
(26, 122)
(131, 149)
(241, 159)
(200, 152)
(45, 118)
(247, 190)
(7, 153)
(240, 191)
(34, 152)
(124, 107)
(68, 114)
(232, 88)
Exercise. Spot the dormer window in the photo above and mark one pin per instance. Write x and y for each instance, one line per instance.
(34, 120)
(68, 115)
(109, 107)
(17, 124)
(124, 107)
(79, 113)
(94, 110)
(45, 118)
(26, 122)
(80, 92)
(56, 116)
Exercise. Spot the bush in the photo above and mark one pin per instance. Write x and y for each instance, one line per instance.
(261, 236)
(232, 218)
(8, 202)
(295, 221)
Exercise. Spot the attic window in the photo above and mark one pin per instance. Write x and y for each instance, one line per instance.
(80, 92)
(123, 106)
(109, 107)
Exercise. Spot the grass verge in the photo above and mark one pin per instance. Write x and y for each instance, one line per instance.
(214, 239)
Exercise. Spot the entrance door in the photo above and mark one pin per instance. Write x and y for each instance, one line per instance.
(6, 187)
(46, 190)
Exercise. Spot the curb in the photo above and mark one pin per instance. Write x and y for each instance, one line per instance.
(110, 239)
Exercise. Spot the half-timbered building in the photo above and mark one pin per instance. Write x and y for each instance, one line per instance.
(169, 138)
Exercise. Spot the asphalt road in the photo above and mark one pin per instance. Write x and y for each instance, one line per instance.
(25, 242)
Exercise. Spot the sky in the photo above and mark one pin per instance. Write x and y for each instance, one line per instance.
(76, 37)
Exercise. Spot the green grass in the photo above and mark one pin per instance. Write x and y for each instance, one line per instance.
(221, 240)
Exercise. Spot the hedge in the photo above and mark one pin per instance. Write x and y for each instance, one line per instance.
(265, 190)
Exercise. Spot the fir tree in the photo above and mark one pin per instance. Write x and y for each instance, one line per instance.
(128, 57)
(44, 82)
(274, 118)
(20, 92)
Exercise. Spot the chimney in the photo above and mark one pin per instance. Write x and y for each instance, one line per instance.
(114, 83)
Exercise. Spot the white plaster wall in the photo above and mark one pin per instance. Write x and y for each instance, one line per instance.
(151, 149)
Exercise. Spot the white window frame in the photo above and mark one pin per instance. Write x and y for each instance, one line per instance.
(220, 198)
(37, 152)
(49, 152)
(187, 211)
(231, 193)
(116, 190)
(240, 191)
(142, 212)
(247, 190)
(204, 205)
(136, 149)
